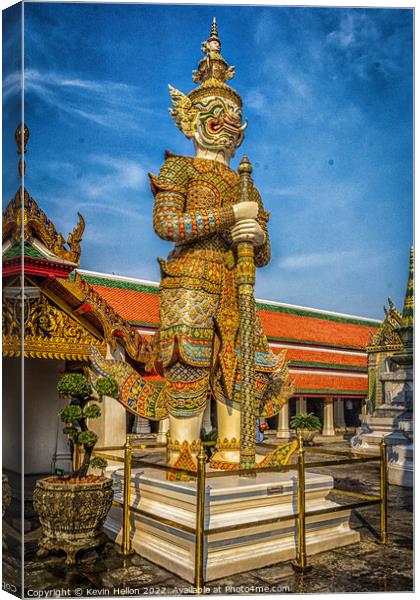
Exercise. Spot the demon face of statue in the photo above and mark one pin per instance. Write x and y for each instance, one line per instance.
(211, 114)
(218, 124)
(213, 122)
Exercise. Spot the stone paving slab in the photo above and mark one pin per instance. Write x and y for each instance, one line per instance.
(364, 567)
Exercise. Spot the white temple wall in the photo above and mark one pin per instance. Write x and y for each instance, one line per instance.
(12, 414)
(43, 429)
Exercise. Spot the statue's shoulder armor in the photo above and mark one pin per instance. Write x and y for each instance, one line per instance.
(174, 174)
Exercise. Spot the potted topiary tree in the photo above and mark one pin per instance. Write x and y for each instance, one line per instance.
(307, 424)
(73, 508)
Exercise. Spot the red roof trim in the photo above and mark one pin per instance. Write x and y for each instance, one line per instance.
(35, 266)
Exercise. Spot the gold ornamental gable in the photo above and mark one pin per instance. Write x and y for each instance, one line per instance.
(386, 338)
(49, 332)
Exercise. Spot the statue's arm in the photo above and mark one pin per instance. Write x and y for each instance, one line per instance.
(262, 253)
(174, 225)
(170, 222)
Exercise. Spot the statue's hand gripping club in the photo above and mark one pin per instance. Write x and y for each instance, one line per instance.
(247, 228)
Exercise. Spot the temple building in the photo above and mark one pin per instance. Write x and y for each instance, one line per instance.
(325, 350)
(66, 310)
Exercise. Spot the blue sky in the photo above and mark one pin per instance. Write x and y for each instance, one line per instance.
(328, 96)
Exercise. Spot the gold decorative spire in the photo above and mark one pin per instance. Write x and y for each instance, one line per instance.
(407, 314)
(214, 36)
(21, 144)
(212, 70)
(404, 358)
(36, 224)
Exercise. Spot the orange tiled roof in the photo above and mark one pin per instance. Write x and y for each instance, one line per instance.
(316, 329)
(325, 350)
(322, 384)
(296, 354)
(135, 306)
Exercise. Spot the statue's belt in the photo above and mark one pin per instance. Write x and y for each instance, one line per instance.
(226, 257)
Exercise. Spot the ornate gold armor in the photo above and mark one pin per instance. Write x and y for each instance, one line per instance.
(199, 318)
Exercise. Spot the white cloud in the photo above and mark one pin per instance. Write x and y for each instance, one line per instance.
(365, 45)
(359, 259)
(255, 100)
(123, 172)
(106, 103)
(12, 84)
(313, 259)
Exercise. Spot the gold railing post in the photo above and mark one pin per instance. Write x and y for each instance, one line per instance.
(126, 541)
(384, 491)
(199, 528)
(301, 549)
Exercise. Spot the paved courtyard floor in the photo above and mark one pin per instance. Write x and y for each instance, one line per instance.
(363, 567)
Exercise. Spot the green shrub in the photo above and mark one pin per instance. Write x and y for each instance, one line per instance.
(93, 411)
(78, 388)
(71, 413)
(87, 438)
(74, 385)
(305, 421)
(98, 463)
(107, 386)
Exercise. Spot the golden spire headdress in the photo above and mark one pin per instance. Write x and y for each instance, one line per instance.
(211, 74)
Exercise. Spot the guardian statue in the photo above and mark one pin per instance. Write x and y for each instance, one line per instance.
(197, 207)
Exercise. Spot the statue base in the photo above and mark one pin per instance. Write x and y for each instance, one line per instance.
(230, 500)
(401, 466)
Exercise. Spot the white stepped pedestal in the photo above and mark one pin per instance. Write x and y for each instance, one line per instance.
(383, 424)
(401, 466)
(369, 442)
(230, 500)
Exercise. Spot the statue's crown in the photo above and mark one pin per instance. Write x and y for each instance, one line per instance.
(211, 75)
(213, 70)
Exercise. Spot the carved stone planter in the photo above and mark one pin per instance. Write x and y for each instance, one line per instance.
(308, 435)
(72, 515)
(6, 498)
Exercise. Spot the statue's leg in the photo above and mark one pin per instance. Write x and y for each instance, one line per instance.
(228, 435)
(186, 397)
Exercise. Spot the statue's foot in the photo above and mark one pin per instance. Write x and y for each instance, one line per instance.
(229, 459)
(182, 456)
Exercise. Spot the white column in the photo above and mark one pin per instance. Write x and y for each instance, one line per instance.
(301, 406)
(162, 436)
(364, 406)
(283, 430)
(328, 428)
(206, 423)
(111, 426)
(339, 420)
(141, 425)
